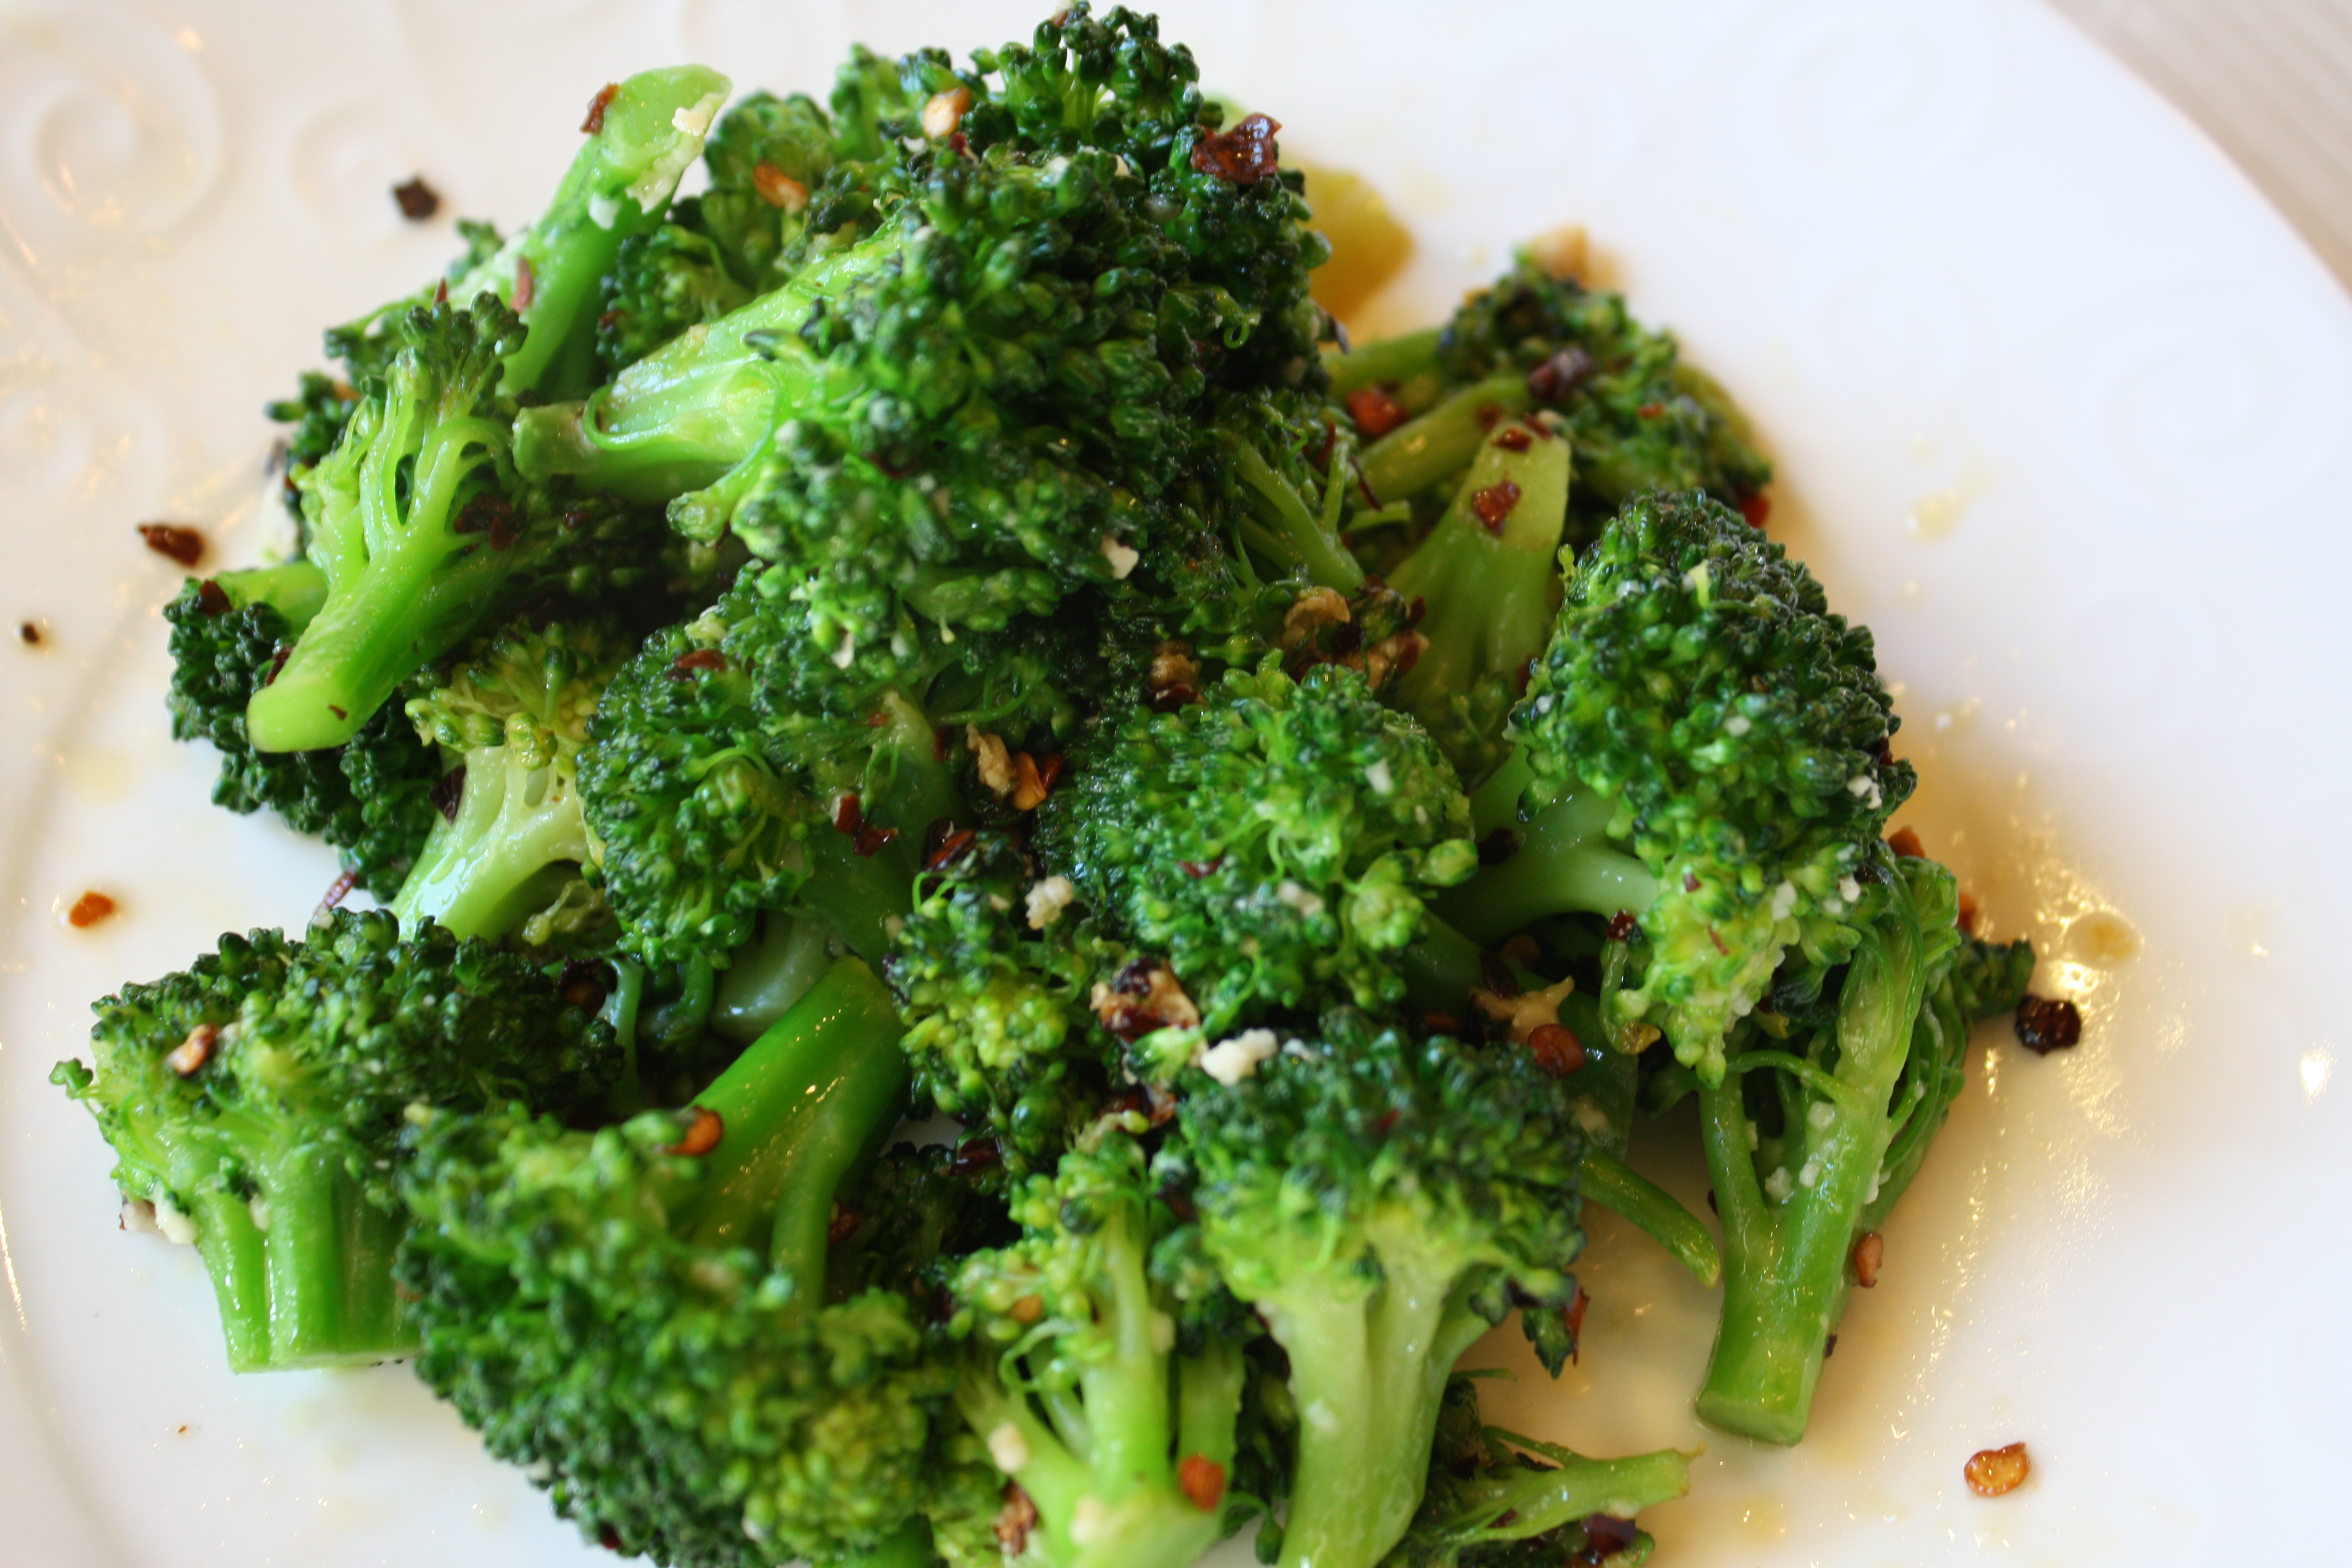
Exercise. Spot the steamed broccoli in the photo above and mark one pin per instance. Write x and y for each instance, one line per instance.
(640, 1310)
(1119, 1426)
(1699, 705)
(1381, 1202)
(256, 1101)
(370, 797)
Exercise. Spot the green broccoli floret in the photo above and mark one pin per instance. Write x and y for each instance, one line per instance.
(1637, 417)
(765, 157)
(639, 1311)
(1821, 1119)
(1273, 842)
(1495, 1500)
(256, 1101)
(1700, 706)
(509, 724)
(1487, 579)
(1286, 472)
(1381, 1203)
(661, 284)
(1119, 1432)
(370, 797)
(996, 997)
(993, 397)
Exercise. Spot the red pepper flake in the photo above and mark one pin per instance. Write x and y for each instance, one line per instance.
(1496, 975)
(1560, 376)
(187, 1059)
(954, 846)
(1712, 937)
(1204, 1481)
(176, 540)
(1515, 439)
(487, 512)
(1690, 882)
(1650, 410)
(1621, 925)
(1869, 1253)
(1488, 416)
(1905, 842)
(1755, 506)
(1574, 1314)
(596, 107)
(1169, 697)
(842, 1226)
(89, 910)
(2044, 1025)
(1375, 411)
(1196, 870)
(1242, 157)
(1969, 912)
(871, 839)
(447, 792)
(1996, 1473)
(974, 1155)
(1493, 503)
(1031, 783)
(1557, 1049)
(702, 1137)
(1605, 1535)
(277, 662)
(332, 899)
(1016, 1519)
(212, 599)
(585, 983)
(1442, 1023)
(526, 287)
(608, 1538)
(441, 292)
(338, 712)
(30, 632)
(683, 667)
(778, 189)
(848, 816)
(417, 200)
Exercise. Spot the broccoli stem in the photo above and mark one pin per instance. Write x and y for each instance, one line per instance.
(1418, 454)
(295, 589)
(1369, 1375)
(1537, 1501)
(763, 978)
(1391, 359)
(864, 894)
(1282, 526)
(1786, 1251)
(1564, 864)
(619, 185)
(709, 400)
(517, 838)
(808, 1103)
(303, 1269)
(1618, 1187)
(1487, 584)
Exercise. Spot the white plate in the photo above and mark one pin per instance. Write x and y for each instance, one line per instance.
(2061, 410)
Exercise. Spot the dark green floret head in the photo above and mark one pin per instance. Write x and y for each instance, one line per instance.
(1698, 677)
(1272, 842)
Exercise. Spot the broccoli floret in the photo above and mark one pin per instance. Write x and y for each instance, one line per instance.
(1495, 1500)
(1487, 579)
(765, 157)
(370, 797)
(1120, 1434)
(639, 1311)
(1273, 842)
(1637, 417)
(995, 396)
(998, 1023)
(1287, 470)
(661, 284)
(258, 1100)
(508, 723)
(1821, 1119)
(1700, 706)
(1381, 1202)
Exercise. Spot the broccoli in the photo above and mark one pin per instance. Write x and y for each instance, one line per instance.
(1270, 843)
(1486, 576)
(1495, 1500)
(639, 1311)
(1637, 418)
(256, 1101)
(1118, 1427)
(510, 724)
(1822, 1118)
(1381, 1202)
(662, 284)
(370, 797)
(990, 395)
(1700, 704)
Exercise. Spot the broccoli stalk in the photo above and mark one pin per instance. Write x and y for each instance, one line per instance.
(1486, 573)
(1121, 1437)
(1559, 859)
(1425, 452)
(1810, 1139)
(1381, 1204)
(257, 1099)
(513, 720)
